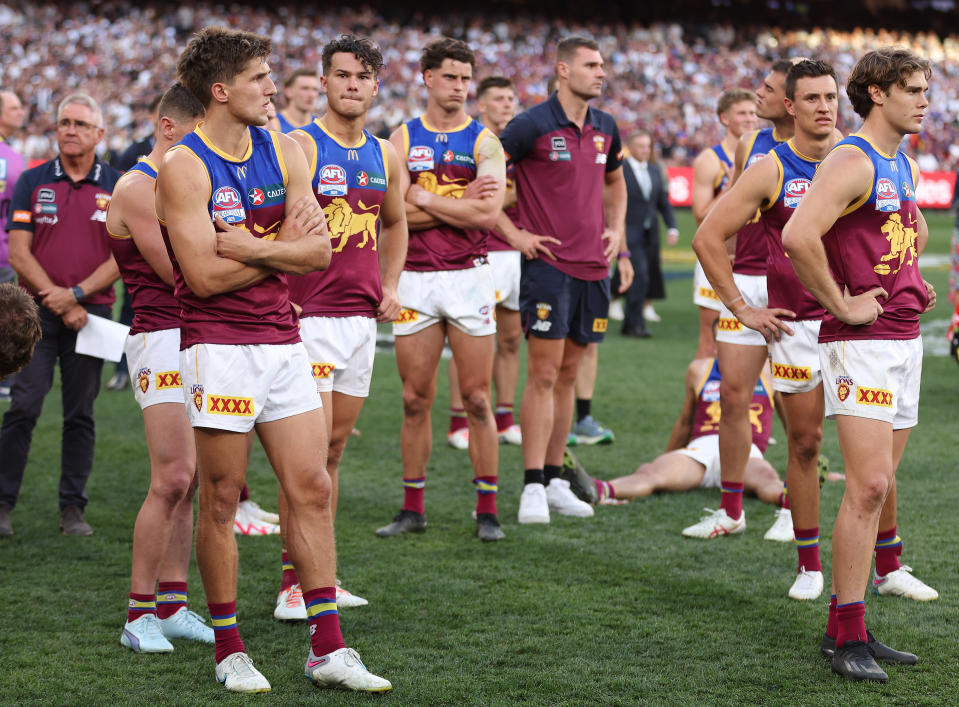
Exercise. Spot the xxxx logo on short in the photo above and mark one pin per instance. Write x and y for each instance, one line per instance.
(599, 325)
(168, 379)
(791, 373)
(407, 316)
(224, 405)
(323, 370)
(730, 324)
(708, 293)
(873, 396)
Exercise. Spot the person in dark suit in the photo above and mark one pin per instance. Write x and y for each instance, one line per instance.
(647, 193)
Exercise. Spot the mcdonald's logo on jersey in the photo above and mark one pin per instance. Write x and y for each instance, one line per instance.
(352, 155)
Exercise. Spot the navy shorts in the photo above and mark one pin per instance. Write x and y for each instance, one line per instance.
(554, 305)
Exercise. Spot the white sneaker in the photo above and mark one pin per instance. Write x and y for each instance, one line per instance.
(187, 624)
(459, 439)
(616, 312)
(344, 669)
(254, 509)
(346, 599)
(290, 605)
(237, 674)
(902, 584)
(782, 529)
(650, 315)
(533, 507)
(716, 523)
(246, 522)
(145, 636)
(564, 501)
(511, 435)
(808, 585)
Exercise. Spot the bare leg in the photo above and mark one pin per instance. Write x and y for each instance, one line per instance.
(509, 336)
(586, 375)
(418, 358)
(544, 359)
(740, 367)
(673, 471)
(563, 401)
(343, 410)
(706, 346)
(804, 412)
(763, 481)
(475, 354)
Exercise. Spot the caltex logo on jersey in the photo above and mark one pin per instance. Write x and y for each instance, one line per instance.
(794, 191)
(362, 179)
(332, 181)
(257, 197)
(448, 156)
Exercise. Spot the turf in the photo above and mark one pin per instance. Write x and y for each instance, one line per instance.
(614, 610)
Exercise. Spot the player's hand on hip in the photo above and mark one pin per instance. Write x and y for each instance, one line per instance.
(482, 187)
(626, 274)
(388, 309)
(305, 219)
(862, 308)
(533, 245)
(75, 318)
(931, 292)
(766, 321)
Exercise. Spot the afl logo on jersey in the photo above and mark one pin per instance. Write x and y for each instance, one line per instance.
(227, 205)
(420, 159)
(710, 392)
(794, 191)
(332, 181)
(887, 198)
(755, 158)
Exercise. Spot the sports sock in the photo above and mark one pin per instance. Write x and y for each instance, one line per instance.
(534, 476)
(731, 500)
(604, 489)
(413, 494)
(831, 620)
(807, 545)
(324, 620)
(784, 497)
(458, 419)
(225, 631)
(551, 472)
(141, 604)
(171, 597)
(244, 493)
(850, 622)
(504, 416)
(289, 572)
(486, 488)
(888, 548)
(583, 408)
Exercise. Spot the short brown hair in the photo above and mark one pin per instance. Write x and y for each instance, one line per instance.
(492, 82)
(19, 328)
(807, 69)
(733, 96)
(363, 49)
(218, 55)
(882, 67)
(568, 45)
(302, 71)
(446, 48)
(178, 103)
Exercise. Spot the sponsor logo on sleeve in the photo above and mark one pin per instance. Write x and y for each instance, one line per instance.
(794, 191)
(420, 158)
(332, 181)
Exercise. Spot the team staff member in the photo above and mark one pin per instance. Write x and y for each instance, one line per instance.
(570, 186)
(163, 533)
(60, 250)
(454, 180)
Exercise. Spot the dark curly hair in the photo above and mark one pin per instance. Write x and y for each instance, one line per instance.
(19, 328)
(882, 67)
(218, 55)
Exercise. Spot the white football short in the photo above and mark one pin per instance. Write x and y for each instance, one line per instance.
(795, 359)
(877, 379)
(463, 298)
(705, 450)
(232, 387)
(703, 293)
(153, 359)
(341, 353)
(506, 265)
(731, 330)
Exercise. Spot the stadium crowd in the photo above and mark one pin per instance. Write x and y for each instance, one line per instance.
(123, 55)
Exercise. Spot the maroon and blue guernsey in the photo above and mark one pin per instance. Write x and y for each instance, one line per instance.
(751, 250)
(708, 409)
(249, 193)
(444, 163)
(154, 306)
(350, 184)
(722, 179)
(67, 220)
(873, 244)
(560, 173)
(785, 290)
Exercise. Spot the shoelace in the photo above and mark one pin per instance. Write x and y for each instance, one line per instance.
(243, 666)
(191, 616)
(295, 596)
(151, 628)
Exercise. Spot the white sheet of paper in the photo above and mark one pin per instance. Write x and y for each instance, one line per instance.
(102, 338)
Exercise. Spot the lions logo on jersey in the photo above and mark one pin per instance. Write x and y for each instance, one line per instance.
(343, 222)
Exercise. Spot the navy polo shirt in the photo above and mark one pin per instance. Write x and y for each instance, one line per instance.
(560, 174)
(68, 221)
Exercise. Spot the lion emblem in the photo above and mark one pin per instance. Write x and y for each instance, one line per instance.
(902, 245)
(344, 222)
(451, 187)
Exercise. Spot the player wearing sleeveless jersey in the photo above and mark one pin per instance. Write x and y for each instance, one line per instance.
(300, 93)
(354, 177)
(163, 533)
(854, 240)
(235, 203)
(458, 174)
(741, 351)
(712, 174)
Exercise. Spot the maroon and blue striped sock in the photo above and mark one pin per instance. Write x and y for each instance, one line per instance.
(832, 622)
(504, 416)
(850, 622)
(225, 631)
(289, 572)
(413, 495)
(486, 488)
(888, 549)
(171, 597)
(324, 620)
(141, 604)
(731, 500)
(458, 419)
(807, 545)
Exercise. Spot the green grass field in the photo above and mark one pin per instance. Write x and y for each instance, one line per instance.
(617, 610)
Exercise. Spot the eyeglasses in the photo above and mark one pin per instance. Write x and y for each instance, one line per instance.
(66, 124)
